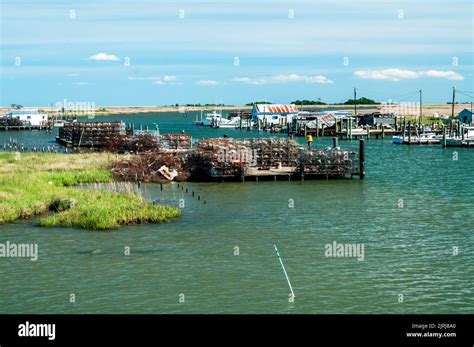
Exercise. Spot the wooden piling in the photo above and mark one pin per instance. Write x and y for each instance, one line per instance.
(444, 136)
(361, 159)
(409, 132)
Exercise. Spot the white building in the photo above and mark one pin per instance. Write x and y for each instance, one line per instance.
(273, 113)
(29, 117)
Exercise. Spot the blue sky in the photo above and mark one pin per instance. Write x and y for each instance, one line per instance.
(234, 52)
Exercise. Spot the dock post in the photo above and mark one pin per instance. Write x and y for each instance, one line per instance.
(403, 129)
(409, 132)
(350, 129)
(444, 136)
(361, 159)
(334, 142)
(383, 132)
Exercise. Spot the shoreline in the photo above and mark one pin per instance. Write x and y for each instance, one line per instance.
(428, 109)
(47, 186)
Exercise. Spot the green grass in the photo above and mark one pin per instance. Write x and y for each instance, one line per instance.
(42, 185)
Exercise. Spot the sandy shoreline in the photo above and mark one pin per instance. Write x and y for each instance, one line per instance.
(428, 109)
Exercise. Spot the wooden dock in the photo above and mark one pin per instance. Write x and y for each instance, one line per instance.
(14, 124)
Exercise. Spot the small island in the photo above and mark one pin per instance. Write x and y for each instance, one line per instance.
(45, 185)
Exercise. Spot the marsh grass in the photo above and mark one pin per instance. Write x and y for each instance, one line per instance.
(42, 184)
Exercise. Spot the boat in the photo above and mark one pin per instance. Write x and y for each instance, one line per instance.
(422, 139)
(398, 140)
(216, 120)
(406, 138)
(212, 119)
(234, 123)
(467, 140)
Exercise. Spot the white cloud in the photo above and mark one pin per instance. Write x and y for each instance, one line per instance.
(450, 75)
(308, 79)
(249, 80)
(207, 82)
(398, 74)
(81, 83)
(75, 74)
(104, 57)
(157, 80)
(284, 79)
(169, 78)
(144, 78)
(386, 74)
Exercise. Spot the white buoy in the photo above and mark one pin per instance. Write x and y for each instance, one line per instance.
(284, 271)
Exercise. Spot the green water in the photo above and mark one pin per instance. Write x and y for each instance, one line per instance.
(408, 250)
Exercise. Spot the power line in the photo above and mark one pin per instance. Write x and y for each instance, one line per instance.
(465, 91)
(469, 96)
(402, 95)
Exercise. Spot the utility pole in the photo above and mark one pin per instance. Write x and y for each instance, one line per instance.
(421, 105)
(355, 101)
(452, 106)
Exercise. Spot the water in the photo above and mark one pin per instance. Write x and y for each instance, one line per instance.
(408, 250)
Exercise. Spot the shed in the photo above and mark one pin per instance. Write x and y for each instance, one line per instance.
(465, 116)
(273, 113)
(30, 117)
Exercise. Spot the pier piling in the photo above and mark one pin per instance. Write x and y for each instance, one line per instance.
(361, 159)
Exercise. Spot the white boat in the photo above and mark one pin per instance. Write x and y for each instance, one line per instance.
(216, 120)
(422, 139)
(212, 119)
(466, 140)
(234, 123)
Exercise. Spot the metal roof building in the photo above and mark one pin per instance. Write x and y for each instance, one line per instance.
(273, 113)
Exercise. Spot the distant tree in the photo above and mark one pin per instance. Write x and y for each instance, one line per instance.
(308, 102)
(258, 102)
(361, 101)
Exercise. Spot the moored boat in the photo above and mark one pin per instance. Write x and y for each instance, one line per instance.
(466, 140)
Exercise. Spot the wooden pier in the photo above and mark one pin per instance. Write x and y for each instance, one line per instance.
(14, 124)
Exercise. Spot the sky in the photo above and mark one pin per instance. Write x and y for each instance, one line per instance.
(125, 52)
